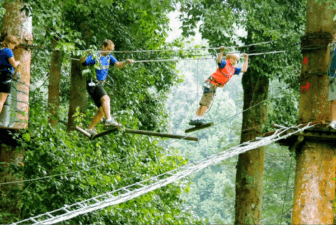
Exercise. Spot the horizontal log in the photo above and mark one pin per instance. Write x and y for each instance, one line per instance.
(157, 134)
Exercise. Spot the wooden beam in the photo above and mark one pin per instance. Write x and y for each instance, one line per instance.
(199, 127)
(142, 132)
(83, 131)
(114, 129)
(157, 134)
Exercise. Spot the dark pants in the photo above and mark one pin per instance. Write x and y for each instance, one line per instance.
(96, 92)
(5, 81)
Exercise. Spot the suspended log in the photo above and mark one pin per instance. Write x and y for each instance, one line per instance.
(141, 132)
(200, 127)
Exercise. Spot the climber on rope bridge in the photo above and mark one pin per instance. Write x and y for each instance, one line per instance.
(95, 83)
(7, 65)
(226, 69)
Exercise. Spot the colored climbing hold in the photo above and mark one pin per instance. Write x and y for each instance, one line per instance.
(305, 60)
(305, 87)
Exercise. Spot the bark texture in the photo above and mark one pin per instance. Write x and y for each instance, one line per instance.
(78, 96)
(314, 190)
(250, 167)
(54, 84)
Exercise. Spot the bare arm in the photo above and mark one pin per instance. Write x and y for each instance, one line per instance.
(14, 63)
(245, 63)
(122, 64)
(220, 55)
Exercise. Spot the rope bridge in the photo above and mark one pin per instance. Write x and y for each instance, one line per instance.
(140, 188)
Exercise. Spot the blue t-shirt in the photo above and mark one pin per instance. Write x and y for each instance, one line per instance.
(5, 54)
(102, 72)
(223, 63)
(332, 70)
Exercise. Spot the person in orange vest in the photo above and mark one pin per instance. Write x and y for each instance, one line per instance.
(226, 70)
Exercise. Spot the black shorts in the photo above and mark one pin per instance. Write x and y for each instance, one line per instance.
(96, 92)
(5, 82)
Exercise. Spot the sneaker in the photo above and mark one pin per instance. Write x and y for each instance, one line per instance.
(333, 124)
(91, 131)
(112, 122)
(197, 122)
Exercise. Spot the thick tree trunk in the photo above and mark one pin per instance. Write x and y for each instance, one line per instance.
(250, 167)
(78, 96)
(15, 22)
(54, 84)
(314, 191)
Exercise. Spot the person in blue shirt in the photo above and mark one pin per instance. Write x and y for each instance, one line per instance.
(95, 82)
(7, 65)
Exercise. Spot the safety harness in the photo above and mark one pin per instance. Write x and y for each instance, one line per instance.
(217, 77)
(98, 66)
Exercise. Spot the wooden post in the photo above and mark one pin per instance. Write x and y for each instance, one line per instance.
(54, 83)
(314, 191)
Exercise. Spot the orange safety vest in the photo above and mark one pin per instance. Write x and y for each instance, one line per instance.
(222, 76)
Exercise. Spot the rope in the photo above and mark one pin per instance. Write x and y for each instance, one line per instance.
(201, 58)
(140, 188)
(137, 51)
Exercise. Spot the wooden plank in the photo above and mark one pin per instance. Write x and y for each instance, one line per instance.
(142, 132)
(157, 134)
(200, 127)
(114, 129)
(145, 132)
(83, 131)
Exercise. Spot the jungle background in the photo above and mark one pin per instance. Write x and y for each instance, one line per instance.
(161, 97)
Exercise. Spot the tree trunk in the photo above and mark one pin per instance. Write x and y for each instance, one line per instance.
(250, 167)
(78, 97)
(54, 83)
(314, 191)
(18, 24)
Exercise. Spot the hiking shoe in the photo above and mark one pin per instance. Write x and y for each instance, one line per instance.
(112, 122)
(333, 124)
(197, 122)
(91, 131)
